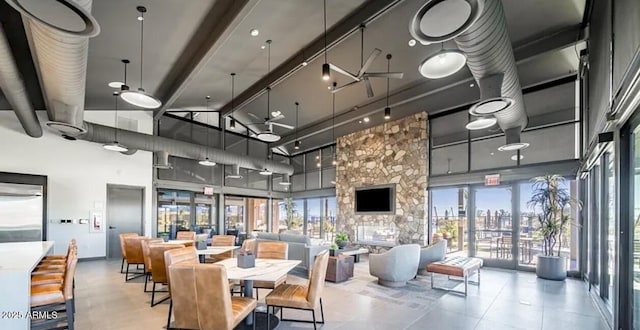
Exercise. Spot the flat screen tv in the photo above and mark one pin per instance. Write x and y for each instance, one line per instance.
(375, 199)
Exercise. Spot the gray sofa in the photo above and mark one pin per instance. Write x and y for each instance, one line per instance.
(396, 266)
(432, 253)
(299, 247)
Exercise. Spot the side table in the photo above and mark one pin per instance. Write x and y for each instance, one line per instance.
(339, 268)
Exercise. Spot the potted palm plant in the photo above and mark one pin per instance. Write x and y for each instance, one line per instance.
(553, 204)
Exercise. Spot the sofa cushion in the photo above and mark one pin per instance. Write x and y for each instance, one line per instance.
(269, 236)
(295, 238)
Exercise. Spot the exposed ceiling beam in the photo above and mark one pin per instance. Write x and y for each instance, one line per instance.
(366, 13)
(430, 89)
(216, 27)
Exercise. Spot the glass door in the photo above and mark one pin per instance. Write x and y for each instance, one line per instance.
(174, 213)
(493, 231)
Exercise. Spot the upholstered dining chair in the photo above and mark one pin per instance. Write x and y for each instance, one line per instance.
(185, 255)
(186, 235)
(249, 245)
(134, 255)
(201, 298)
(221, 240)
(147, 258)
(159, 269)
(270, 250)
(123, 252)
(306, 297)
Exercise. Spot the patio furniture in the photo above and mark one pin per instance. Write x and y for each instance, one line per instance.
(396, 266)
(459, 267)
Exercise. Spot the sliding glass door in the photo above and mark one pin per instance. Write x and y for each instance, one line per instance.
(492, 229)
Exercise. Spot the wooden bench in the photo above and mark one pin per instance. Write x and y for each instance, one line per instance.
(458, 267)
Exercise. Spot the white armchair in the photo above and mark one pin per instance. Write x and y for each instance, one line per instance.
(432, 253)
(396, 266)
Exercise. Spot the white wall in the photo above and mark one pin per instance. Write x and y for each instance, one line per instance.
(78, 173)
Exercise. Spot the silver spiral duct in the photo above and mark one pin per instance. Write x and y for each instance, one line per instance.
(489, 53)
(13, 88)
(105, 134)
(59, 34)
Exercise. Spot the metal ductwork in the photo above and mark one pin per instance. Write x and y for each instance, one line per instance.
(480, 31)
(59, 33)
(140, 141)
(162, 161)
(12, 86)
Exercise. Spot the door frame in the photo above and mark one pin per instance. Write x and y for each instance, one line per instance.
(106, 211)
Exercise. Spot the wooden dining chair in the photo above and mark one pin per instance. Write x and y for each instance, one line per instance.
(305, 297)
(201, 297)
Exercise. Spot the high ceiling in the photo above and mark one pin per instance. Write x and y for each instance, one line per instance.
(543, 33)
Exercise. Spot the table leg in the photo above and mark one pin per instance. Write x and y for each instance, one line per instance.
(356, 258)
(248, 292)
(201, 258)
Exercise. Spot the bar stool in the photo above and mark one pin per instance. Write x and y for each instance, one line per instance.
(60, 257)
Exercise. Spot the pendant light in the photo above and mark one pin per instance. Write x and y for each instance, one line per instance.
(232, 123)
(387, 109)
(268, 135)
(140, 98)
(206, 161)
(115, 145)
(334, 161)
(265, 171)
(442, 63)
(296, 145)
(326, 69)
(286, 180)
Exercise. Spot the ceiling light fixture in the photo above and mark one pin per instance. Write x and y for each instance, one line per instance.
(387, 109)
(516, 157)
(490, 106)
(286, 181)
(326, 69)
(206, 161)
(365, 119)
(254, 32)
(265, 172)
(412, 42)
(514, 146)
(442, 64)
(513, 142)
(232, 123)
(296, 145)
(481, 123)
(140, 98)
(268, 135)
(115, 145)
(439, 20)
(116, 84)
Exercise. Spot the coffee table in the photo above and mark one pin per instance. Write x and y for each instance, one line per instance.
(339, 268)
(353, 251)
(458, 267)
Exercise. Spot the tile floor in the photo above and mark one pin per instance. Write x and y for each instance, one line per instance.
(505, 300)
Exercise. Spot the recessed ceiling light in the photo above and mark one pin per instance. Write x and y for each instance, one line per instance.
(115, 84)
(304, 63)
(492, 153)
(254, 32)
(472, 85)
(365, 119)
(263, 47)
(412, 42)
(276, 113)
(359, 121)
(481, 123)
(515, 157)
(329, 87)
(140, 18)
(442, 64)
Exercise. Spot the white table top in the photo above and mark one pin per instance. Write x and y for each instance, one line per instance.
(352, 252)
(216, 250)
(265, 269)
(22, 256)
(180, 241)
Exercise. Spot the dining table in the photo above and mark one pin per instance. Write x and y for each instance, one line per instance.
(269, 270)
(211, 250)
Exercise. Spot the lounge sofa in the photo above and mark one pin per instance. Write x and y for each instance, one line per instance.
(396, 266)
(299, 247)
(432, 253)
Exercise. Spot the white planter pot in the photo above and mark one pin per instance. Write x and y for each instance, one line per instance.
(552, 268)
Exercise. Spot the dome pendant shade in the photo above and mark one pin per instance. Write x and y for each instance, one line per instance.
(265, 172)
(115, 146)
(442, 64)
(481, 123)
(140, 98)
(207, 162)
(268, 136)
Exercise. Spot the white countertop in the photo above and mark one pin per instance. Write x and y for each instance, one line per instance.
(22, 256)
(265, 269)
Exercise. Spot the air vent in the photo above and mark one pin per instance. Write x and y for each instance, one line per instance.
(65, 129)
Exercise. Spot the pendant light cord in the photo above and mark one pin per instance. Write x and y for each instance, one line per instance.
(388, 71)
(325, 31)
(116, 118)
(207, 112)
(361, 45)
(297, 104)
(268, 72)
(141, 45)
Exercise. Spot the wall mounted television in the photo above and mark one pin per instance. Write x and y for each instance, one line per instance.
(375, 199)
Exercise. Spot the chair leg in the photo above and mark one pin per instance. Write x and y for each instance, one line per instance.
(321, 311)
(126, 274)
(153, 292)
(146, 279)
(254, 319)
(122, 267)
(169, 317)
(70, 313)
(313, 313)
(257, 294)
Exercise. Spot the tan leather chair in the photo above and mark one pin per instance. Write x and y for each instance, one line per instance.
(122, 249)
(202, 300)
(249, 245)
(186, 235)
(60, 257)
(134, 255)
(306, 297)
(144, 244)
(53, 274)
(158, 268)
(270, 250)
(183, 255)
(221, 240)
(49, 297)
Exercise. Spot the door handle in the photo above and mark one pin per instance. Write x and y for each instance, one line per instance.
(112, 227)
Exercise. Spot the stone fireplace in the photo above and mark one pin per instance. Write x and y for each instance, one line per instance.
(392, 153)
